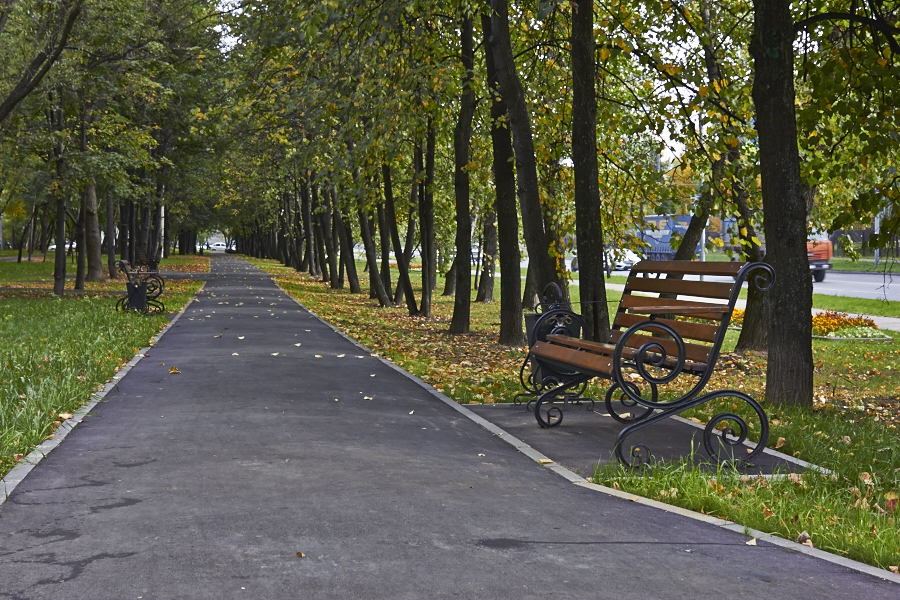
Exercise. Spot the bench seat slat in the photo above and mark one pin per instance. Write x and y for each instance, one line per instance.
(686, 307)
(691, 365)
(720, 290)
(688, 267)
(700, 332)
(586, 362)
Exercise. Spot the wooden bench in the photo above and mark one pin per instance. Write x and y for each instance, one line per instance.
(142, 290)
(144, 263)
(662, 350)
(554, 317)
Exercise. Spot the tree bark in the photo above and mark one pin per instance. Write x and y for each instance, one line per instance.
(426, 224)
(92, 234)
(790, 364)
(511, 333)
(345, 232)
(588, 220)
(488, 256)
(459, 322)
(111, 236)
(390, 217)
(523, 143)
(372, 260)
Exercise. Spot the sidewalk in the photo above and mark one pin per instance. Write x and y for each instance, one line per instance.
(279, 436)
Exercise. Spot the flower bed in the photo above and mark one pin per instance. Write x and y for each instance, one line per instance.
(832, 325)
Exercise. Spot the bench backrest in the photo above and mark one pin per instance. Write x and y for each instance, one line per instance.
(655, 283)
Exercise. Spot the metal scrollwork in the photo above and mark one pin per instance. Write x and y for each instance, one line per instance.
(761, 281)
(725, 433)
(651, 353)
(634, 411)
(639, 456)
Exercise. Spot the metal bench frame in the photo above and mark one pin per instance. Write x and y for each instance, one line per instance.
(142, 290)
(659, 344)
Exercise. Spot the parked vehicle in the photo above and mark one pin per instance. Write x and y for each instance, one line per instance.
(819, 250)
(69, 246)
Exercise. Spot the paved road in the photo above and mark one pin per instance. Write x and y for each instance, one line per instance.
(207, 484)
(877, 286)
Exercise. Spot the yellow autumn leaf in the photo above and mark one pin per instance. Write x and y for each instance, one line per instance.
(743, 232)
(703, 91)
(604, 53)
(174, 370)
(781, 442)
(65, 415)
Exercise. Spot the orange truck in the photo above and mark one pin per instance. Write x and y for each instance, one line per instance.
(819, 252)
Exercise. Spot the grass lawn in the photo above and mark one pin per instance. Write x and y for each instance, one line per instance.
(851, 430)
(54, 353)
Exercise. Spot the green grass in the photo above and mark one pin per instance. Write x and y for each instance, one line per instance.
(863, 306)
(55, 353)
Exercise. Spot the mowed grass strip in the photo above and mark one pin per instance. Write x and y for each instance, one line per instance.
(852, 429)
(54, 354)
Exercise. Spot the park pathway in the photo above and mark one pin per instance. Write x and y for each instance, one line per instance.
(283, 461)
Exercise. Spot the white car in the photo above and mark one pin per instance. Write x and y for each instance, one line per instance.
(218, 247)
(621, 259)
(69, 246)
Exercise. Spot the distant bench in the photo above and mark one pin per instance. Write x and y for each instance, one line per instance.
(142, 290)
(665, 328)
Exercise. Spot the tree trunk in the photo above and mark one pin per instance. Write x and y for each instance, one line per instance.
(450, 279)
(80, 243)
(462, 135)
(384, 236)
(426, 224)
(488, 257)
(505, 205)
(753, 329)
(588, 220)
(92, 234)
(59, 266)
(111, 235)
(345, 232)
(372, 260)
(390, 218)
(520, 126)
(789, 377)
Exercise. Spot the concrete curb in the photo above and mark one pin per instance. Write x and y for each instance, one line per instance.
(581, 481)
(20, 471)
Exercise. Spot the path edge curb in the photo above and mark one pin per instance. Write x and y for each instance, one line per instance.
(578, 480)
(17, 474)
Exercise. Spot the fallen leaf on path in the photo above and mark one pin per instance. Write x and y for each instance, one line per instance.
(318, 356)
(216, 336)
(372, 375)
(751, 542)
(341, 355)
(544, 461)
(275, 354)
(174, 370)
(411, 412)
(240, 337)
(367, 397)
(300, 554)
(234, 354)
(803, 538)
(481, 455)
(894, 569)
(297, 344)
(65, 415)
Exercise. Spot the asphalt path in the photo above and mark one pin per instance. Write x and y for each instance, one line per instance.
(284, 461)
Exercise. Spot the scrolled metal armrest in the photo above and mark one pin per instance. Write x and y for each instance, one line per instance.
(653, 353)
